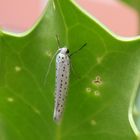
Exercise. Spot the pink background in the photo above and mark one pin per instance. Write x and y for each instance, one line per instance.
(20, 15)
(117, 16)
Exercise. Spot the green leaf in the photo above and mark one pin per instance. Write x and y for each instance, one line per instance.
(133, 3)
(99, 103)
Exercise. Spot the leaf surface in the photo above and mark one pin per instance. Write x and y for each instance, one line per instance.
(135, 4)
(99, 104)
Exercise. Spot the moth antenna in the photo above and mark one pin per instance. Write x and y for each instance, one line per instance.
(78, 50)
(58, 41)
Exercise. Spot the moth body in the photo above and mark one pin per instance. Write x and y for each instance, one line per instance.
(62, 82)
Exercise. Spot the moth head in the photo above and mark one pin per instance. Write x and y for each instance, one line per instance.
(64, 50)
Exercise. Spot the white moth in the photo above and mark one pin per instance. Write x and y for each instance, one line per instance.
(62, 79)
(62, 82)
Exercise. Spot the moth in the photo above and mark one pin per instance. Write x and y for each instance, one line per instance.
(62, 82)
(63, 66)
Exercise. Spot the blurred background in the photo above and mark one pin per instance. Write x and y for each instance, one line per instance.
(121, 16)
